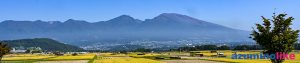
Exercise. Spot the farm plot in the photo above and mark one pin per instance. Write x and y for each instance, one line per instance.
(18, 57)
(125, 60)
(71, 61)
(190, 61)
(70, 57)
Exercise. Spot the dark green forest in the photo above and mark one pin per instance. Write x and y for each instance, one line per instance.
(45, 43)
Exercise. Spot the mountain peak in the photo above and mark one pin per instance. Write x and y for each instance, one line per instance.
(176, 18)
(124, 19)
(169, 14)
(125, 16)
(75, 21)
(174, 15)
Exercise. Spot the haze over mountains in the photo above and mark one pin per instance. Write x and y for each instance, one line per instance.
(165, 27)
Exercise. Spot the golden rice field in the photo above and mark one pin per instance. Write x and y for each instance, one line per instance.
(135, 57)
(32, 58)
(70, 57)
(27, 58)
(229, 53)
(125, 60)
(247, 61)
(12, 57)
(139, 56)
(112, 54)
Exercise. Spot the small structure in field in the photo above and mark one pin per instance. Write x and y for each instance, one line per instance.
(18, 50)
(196, 53)
(211, 53)
(57, 53)
(221, 54)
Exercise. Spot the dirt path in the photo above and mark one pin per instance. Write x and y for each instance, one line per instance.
(189, 61)
(71, 61)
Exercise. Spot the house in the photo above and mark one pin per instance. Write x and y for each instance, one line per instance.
(18, 50)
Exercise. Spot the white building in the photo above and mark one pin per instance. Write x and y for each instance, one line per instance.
(14, 50)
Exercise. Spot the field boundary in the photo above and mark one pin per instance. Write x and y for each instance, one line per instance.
(92, 60)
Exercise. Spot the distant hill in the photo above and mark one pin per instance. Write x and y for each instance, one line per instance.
(166, 26)
(44, 43)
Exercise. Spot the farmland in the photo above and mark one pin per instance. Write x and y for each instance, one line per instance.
(125, 60)
(138, 57)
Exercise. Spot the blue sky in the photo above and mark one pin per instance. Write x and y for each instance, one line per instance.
(238, 14)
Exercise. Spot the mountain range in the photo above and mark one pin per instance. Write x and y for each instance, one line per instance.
(124, 28)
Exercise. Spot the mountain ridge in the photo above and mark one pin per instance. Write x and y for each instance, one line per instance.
(113, 19)
(166, 26)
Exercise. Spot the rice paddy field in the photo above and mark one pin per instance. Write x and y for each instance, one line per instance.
(229, 53)
(70, 57)
(44, 58)
(125, 60)
(137, 57)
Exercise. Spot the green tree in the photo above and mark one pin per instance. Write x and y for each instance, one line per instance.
(224, 47)
(4, 49)
(276, 35)
(142, 50)
(241, 47)
(34, 50)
